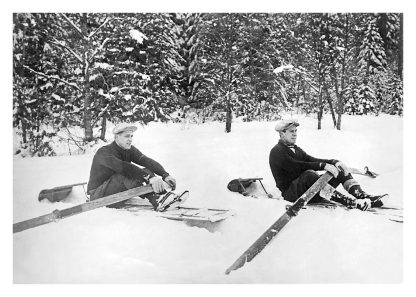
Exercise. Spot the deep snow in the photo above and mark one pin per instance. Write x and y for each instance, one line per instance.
(109, 246)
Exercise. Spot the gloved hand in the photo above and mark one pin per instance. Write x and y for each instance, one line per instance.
(363, 204)
(171, 182)
(342, 167)
(332, 169)
(157, 184)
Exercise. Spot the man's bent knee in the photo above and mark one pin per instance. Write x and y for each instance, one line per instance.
(310, 175)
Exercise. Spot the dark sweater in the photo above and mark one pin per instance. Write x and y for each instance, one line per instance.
(286, 165)
(111, 159)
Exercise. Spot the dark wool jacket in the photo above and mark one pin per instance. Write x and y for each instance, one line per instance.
(286, 166)
(112, 159)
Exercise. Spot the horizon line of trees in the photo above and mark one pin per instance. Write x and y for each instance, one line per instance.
(82, 70)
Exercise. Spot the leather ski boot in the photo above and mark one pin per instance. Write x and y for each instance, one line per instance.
(361, 204)
(153, 199)
(358, 193)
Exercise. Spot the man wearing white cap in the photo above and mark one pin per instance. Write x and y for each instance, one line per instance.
(295, 171)
(113, 171)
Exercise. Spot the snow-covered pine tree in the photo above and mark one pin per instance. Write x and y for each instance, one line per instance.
(366, 97)
(372, 57)
(31, 112)
(119, 75)
(187, 78)
(221, 58)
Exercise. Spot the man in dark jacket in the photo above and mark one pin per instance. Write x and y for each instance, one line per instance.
(113, 171)
(295, 171)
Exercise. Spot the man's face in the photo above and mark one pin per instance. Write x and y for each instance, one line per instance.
(124, 139)
(290, 135)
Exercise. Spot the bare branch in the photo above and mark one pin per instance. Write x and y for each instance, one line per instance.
(73, 25)
(96, 30)
(53, 77)
(77, 143)
(58, 43)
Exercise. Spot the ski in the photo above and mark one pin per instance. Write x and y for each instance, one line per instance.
(56, 215)
(277, 226)
(365, 172)
(171, 200)
(173, 209)
(393, 214)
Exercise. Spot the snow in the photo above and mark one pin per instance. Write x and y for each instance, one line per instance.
(282, 68)
(317, 246)
(137, 35)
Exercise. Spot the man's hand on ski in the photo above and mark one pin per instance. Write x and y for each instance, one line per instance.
(332, 169)
(157, 184)
(171, 182)
(342, 167)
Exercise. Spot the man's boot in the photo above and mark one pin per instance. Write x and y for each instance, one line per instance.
(153, 199)
(358, 193)
(350, 202)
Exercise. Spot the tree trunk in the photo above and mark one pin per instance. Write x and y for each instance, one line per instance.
(88, 133)
(331, 108)
(229, 115)
(339, 121)
(24, 132)
(400, 59)
(320, 108)
(103, 127)
(340, 94)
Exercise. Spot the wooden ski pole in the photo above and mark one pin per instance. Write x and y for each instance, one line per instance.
(56, 215)
(274, 229)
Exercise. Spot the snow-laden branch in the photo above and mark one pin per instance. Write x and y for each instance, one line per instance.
(96, 30)
(297, 70)
(53, 77)
(58, 43)
(78, 29)
(98, 49)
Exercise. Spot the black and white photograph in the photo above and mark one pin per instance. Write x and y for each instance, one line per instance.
(207, 147)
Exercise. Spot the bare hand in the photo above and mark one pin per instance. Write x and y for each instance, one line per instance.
(157, 184)
(342, 167)
(171, 182)
(332, 169)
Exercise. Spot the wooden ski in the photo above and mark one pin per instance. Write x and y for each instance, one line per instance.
(56, 215)
(365, 172)
(274, 229)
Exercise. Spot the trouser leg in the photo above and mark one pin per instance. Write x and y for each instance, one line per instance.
(306, 180)
(115, 184)
(301, 185)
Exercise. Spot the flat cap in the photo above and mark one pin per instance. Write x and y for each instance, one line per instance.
(122, 127)
(283, 125)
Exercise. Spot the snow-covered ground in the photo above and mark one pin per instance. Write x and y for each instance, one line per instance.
(110, 246)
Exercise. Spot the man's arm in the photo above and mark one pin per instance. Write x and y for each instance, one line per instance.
(290, 162)
(309, 158)
(107, 159)
(140, 159)
(284, 160)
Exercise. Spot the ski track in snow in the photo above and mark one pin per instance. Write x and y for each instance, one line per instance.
(110, 246)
